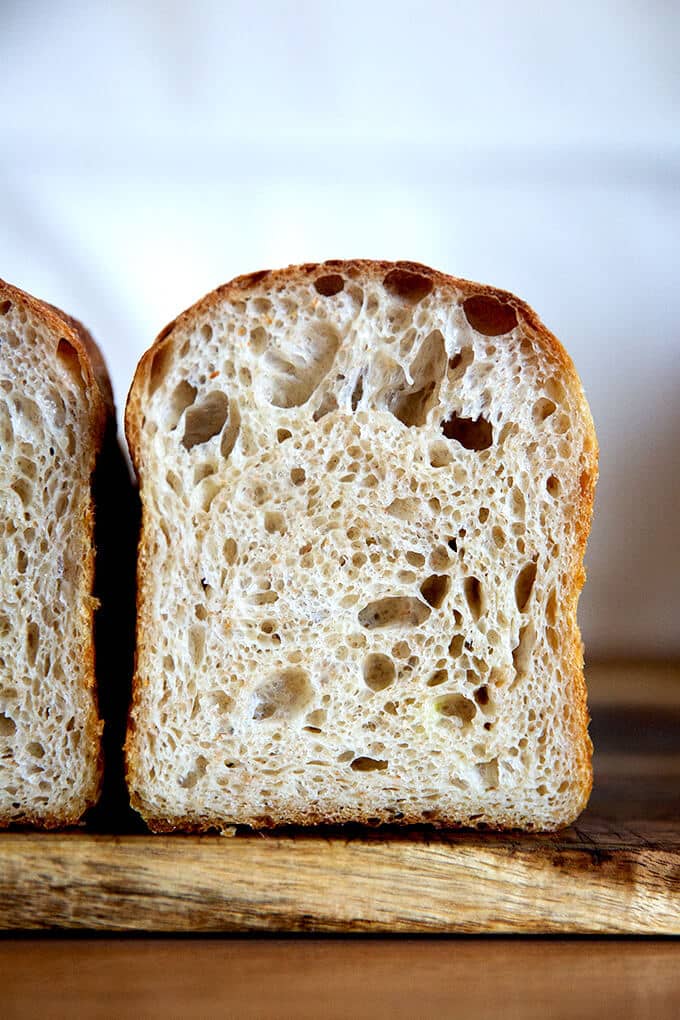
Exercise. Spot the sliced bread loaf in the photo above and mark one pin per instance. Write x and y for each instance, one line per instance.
(55, 402)
(366, 491)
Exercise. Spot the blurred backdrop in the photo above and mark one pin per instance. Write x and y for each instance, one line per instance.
(152, 150)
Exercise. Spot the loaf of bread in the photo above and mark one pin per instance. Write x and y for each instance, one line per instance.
(366, 491)
(55, 404)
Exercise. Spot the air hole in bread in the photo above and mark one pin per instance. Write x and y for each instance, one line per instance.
(283, 434)
(440, 454)
(182, 397)
(24, 490)
(36, 749)
(524, 586)
(5, 307)
(174, 482)
(27, 468)
(379, 671)
(329, 285)
(408, 285)
(416, 559)
(329, 403)
(474, 596)
(483, 699)
(261, 305)
(70, 359)
(458, 708)
(293, 376)
(487, 773)
(411, 405)
(316, 718)
(231, 430)
(406, 509)
(7, 725)
(205, 420)
(222, 702)
(274, 523)
(509, 430)
(196, 643)
(192, 777)
(284, 696)
(440, 676)
(365, 764)
(521, 653)
(435, 588)
(160, 363)
(555, 390)
(22, 561)
(259, 338)
(460, 361)
(542, 409)
(489, 315)
(32, 642)
(358, 391)
(440, 558)
(394, 611)
(561, 425)
(297, 475)
(472, 433)
(407, 576)
(456, 646)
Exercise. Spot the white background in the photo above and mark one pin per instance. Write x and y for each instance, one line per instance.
(150, 151)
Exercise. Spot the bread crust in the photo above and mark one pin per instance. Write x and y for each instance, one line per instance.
(97, 386)
(582, 512)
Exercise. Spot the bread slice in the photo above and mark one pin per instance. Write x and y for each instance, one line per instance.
(55, 402)
(366, 490)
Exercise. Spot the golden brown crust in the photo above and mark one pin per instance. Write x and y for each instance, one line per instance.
(424, 279)
(102, 416)
(297, 820)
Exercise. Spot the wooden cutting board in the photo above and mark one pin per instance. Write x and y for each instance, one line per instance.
(616, 871)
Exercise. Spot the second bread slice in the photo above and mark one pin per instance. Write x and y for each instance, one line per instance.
(366, 492)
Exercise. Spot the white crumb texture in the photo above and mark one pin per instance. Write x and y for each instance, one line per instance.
(360, 539)
(48, 765)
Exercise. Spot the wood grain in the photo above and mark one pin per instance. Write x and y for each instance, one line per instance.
(479, 979)
(616, 871)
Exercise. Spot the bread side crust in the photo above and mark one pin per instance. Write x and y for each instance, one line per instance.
(582, 512)
(102, 414)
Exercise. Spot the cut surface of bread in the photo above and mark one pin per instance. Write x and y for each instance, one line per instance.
(366, 491)
(55, 403)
